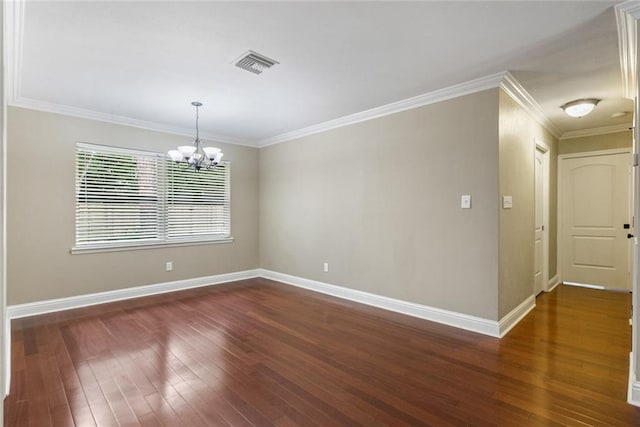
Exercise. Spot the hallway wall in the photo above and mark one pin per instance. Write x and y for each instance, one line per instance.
(518, 133)
(595, 143)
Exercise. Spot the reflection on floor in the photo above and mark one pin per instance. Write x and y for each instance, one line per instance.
(262, 353)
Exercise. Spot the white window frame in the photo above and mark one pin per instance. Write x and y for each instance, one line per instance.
(163, 241)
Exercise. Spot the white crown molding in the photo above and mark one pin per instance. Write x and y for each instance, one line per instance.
(66, 110)
(626, 15)
(503, 80)
(13, 14)
(60, 304)
(451, 318)
(518, 93)
(631, 7)
(466, 88)
(596, 131)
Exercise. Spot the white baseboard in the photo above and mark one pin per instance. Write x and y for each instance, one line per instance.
(516, 315)
(6, 353)
(553, 282)
(459, 320)
(633, 395)
(451, 318)
(59, 304)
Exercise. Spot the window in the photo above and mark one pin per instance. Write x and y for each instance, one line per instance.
(135, 198)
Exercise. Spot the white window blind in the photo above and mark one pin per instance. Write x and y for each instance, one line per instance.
(197, 202)
(126, 197)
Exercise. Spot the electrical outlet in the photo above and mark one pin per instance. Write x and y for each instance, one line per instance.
(326, 267)
(507, 202)
(465, 201)
(169, 265)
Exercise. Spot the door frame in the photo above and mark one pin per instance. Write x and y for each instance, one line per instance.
(540, 145)
(634, 390)
(559, 244)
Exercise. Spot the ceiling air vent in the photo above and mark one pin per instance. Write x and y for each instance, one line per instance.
(254, 62)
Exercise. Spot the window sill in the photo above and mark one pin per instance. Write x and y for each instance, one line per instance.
(153, 245)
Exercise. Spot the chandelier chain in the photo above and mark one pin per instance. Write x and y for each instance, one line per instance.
(197, 117)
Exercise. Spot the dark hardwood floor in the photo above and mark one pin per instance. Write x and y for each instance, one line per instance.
(262, 353)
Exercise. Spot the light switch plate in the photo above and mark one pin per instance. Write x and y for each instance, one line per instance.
(465, 201)
(507, 202)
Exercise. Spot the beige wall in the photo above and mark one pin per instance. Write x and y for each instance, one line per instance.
(380, 201)
(517, 134)
(40, 217)
(595, 143)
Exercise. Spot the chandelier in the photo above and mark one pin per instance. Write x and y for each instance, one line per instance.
(196, 156)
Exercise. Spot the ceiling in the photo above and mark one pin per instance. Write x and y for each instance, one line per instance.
(146, 61)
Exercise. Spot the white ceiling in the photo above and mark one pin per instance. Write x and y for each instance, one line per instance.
(147, 61)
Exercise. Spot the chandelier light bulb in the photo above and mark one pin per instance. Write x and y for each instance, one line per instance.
(175, 155)
(186, 151)
(211, 152)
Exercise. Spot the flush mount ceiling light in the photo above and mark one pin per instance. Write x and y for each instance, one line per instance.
(196, 156)
(580, 107)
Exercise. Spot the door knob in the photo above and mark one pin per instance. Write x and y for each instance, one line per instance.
(630, 236)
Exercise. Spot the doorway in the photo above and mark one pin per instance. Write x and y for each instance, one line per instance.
(595, 218)
(541, 218)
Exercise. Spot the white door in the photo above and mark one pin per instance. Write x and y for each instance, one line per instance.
(595, 209)
(539, 224)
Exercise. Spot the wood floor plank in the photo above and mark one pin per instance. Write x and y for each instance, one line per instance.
(259, 353)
